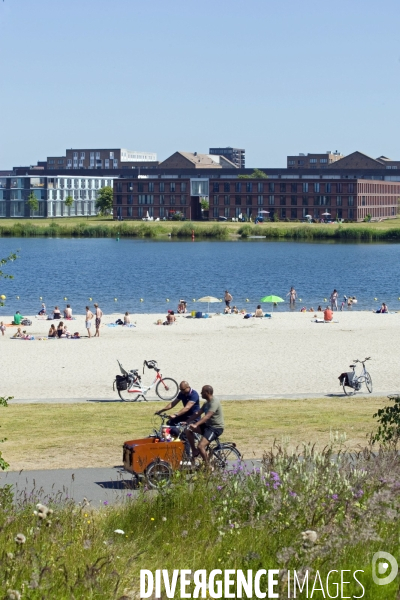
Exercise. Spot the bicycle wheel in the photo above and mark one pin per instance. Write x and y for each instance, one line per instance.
(368, 382)
(167, 389)
(158, 474)
(128, 396)
(223, 454)
(348, 390)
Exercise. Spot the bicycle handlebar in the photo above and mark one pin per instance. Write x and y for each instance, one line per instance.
(362, 361)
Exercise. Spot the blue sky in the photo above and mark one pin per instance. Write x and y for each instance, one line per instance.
(274, 77)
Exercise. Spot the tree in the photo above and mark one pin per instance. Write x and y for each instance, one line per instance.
(104, 202)
(256, 174)
(32, 202)
(69, 201)
(205, 204)
(3, 275)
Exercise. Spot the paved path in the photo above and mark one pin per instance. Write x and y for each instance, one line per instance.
(109, 485)
(338, 394)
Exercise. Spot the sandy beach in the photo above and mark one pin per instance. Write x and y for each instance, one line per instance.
(287, 355)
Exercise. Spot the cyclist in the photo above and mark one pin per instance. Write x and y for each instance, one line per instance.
(191, 404)
(210, 425)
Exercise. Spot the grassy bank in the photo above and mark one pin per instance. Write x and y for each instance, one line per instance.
(302, 512)
(96, 227)
(45, 436)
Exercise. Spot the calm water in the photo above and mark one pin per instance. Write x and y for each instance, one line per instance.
(132, 269)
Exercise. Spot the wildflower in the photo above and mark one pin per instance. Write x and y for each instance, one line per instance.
(129, 495)
(219, 487)
(163, 518)
(309, 536)
(10, 555)
(20, 538)
(88, 522)
(105, 502)
(13, 595)
(335, 496)
(33, 584)
(184, 533)
(293, 494)
(119, 531)
(152, 519)
(87, 544)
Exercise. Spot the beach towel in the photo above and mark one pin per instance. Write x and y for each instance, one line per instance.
(112, 325)
(322, 321)
(41, 317)
(27, 339)
(129, 325)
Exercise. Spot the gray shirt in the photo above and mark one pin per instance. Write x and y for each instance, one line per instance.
(217, 420)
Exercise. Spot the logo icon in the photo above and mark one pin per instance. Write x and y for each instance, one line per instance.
(384, 564)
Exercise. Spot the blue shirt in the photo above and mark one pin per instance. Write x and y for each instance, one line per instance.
(193, 396)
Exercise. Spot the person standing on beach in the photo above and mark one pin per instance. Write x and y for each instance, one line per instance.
(68, 312)
(292, 296)
(228, 298)
(334, 297)
(99, 314)
(88, 320)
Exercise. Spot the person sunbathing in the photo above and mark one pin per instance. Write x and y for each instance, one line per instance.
(170, 319)
(60, 329)
(182, 307)
(56, 313)
(18, 333)
(227, 310)
(127, 319)
(235, 310)
(328, 314)
(52, 331)
(382, 309)
(259, 311)
(68, 312)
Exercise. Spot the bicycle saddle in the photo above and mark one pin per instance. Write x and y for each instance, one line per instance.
(352, 366)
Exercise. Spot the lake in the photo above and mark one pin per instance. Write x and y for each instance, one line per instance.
(128, 270)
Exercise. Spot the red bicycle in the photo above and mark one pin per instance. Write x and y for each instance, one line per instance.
(130, 387)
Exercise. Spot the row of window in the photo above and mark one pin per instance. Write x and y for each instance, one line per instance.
(149, 187)
(323, 161)
(172, 200)
(148, 199)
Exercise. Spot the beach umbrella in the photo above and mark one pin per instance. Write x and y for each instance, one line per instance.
(272, 299)
(263, 212)
(326, 214)
(208, 299)
(307, 216)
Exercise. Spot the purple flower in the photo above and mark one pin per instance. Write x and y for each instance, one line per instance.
(231, 525)
(335, 496)
(129, 495)
(219, 487)
(293, 494)
(105, 502)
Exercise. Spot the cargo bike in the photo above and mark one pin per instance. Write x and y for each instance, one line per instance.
(155, 458)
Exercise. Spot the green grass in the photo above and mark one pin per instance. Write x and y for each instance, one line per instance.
(97, 227)
(244, 521)
(45, 436)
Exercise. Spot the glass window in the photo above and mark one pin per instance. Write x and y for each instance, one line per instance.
(249, 186)
(227, 200)
(129, 211)
(338, 200)
(283, 213)
(271, 186)
(215, 187)
(313, 160)
(151, 186)
(260, 187)
(162, 199)
(293, 187)
(305, 201)
(226, 212)
(351, 188)
(82, 155)
(183, 199)
(293, 213)
(162, 211)
(106, 163)
(36, 182)
(305, 188)
(283, 187)
(215, 212)
(172, 200)
(199, 187)
(316, 188)
(216, 199)
(162, 186)
(172, 186)
(238, 187)
(293, 200)
(248, 201)
(271, 200)
(291, 162)
(183, 186)
(323, 160)
(339, 188)
(140, 187)
(97, 155)
(129, 199)
(351, 201)
(328, 188)
(238, 200)
(75, 155)
(227, 187)
(112, 155)
(283, 200)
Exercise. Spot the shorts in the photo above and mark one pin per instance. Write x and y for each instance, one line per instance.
(88, 324)
(210, 433)
(98, 321)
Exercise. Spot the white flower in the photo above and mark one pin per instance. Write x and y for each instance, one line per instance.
(309, 536)
(119, 531)
(20, 538)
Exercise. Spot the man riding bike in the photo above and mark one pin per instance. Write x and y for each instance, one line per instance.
(211, 425)
(191, 404)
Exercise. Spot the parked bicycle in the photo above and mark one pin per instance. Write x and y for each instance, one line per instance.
(130, 387)
(352, 383)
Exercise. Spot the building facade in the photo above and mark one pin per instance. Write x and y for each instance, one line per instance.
(235, 155)
(313, 161)
(284, 197)
(95, 158)
(51, 193)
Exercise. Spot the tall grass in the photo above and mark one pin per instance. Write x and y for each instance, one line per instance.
(315, 232)
(250, 518)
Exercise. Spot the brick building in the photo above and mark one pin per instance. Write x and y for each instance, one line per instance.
(313, 161)
(236, 155)
(97, 158)
(286, 196)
